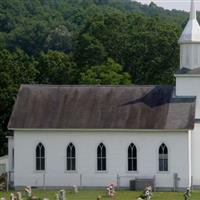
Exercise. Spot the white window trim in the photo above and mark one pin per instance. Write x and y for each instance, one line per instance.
(132, 171)
(157, 157)
(66, 170)
(34, 158)
(96, 158)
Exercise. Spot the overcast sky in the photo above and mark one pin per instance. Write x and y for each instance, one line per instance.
(171, 4)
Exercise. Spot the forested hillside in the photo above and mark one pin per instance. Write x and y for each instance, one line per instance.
(84, 42)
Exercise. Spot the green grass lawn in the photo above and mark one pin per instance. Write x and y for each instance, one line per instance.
(120, 195)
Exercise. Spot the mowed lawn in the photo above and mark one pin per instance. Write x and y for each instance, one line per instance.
(120, 195)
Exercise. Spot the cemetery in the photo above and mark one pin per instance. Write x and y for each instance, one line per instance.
(99, 194)
(110, 192)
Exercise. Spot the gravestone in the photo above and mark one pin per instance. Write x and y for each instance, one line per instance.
(62, 195)
(99, 198)
(28, 191)
(187, 194)
(19, 196)
(57, 196)
(75, 188)
(12, 196)
(111, 190)
(147, 194)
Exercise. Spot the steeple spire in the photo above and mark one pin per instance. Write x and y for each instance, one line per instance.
(190, 42)
(193, 10)
(191, 33)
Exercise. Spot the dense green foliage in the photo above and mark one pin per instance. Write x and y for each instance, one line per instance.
(110, 73)
(15, 69)
(84, 42)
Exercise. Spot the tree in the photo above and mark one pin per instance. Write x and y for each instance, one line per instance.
(30, 37)
(15, 69)
(59, 39)
(89, 52)
(111, 30)
(153, 56)
(146, 47)
(109, 73)
(55, 68)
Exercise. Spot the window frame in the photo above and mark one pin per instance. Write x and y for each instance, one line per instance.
(40, 158)
(133, 146)
(164, 158)
(101, 158)
(71, 158)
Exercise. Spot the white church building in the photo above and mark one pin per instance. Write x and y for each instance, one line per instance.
(92, 136)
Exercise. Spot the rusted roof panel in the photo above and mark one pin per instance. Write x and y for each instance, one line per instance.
(101, 107)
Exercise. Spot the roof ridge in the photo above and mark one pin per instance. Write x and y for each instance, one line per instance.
(51, 85)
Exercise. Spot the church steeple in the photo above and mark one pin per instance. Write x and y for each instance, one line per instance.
(190, 42)
(192, 11)
(191, 32)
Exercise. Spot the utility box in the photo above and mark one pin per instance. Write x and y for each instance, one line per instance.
(132, 184)
(141, 184)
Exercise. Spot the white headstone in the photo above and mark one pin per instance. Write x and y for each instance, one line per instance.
(75, 188)
(28, 191)
(12, 196)
(57, 196)
(62, 195)
(19, 195)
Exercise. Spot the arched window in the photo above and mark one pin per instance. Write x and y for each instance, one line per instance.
(101, 157)
(163, 158)
(132, 157)
(71, 157)
(40, 157)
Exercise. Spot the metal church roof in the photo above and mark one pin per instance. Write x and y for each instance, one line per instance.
(101, 107)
